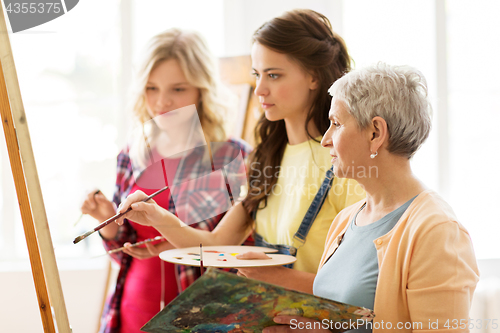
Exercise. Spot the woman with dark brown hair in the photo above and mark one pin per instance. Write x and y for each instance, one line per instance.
(293, 195)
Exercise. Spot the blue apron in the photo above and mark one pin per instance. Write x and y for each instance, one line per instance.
(305, 226)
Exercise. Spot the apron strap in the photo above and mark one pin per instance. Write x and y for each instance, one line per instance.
(307, 221)
(314, 208)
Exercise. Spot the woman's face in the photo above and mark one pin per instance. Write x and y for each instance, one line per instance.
(168, 89)
(349, 146)
(284, 88)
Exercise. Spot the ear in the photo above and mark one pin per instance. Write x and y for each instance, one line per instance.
(314, 83)
(379, 133)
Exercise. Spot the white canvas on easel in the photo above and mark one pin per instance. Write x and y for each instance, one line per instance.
(38, 239)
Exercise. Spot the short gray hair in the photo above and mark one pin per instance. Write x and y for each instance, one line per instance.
(398, 94)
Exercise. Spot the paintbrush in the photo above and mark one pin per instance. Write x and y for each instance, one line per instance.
(149, 240)
(81, 215)
(111, 219)
(201, 259)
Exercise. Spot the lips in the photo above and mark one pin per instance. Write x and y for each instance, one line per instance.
(162, 113)
(266, 105)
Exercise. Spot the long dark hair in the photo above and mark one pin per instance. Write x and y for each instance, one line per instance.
(307, 37)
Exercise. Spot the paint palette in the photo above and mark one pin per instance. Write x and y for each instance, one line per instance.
(227, 303)
(224, 257)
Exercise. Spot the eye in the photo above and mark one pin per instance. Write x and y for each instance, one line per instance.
(151, 88)
(274, 76)
(179, 89)
(256, 75)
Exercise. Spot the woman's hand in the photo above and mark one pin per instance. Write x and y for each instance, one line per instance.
(149, 251)
(292, 324)
(98, 206)
(279, 275)
(267, 274)
(250, 255)
(146, 213)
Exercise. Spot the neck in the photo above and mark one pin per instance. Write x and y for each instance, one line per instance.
(176, 142)
(393, 185)
(296, 132)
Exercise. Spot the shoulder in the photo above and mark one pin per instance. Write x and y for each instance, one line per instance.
(432, 238)
(125, 152)
(231, 148)
(430, 217)
(123, 158)
(124, 169)
(429, 210)
(241, 144)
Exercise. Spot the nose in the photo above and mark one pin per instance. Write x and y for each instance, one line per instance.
(261, 88)
(164, 100)
(326, 141)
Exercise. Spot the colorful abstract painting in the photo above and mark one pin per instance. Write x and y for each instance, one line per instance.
(224, 302)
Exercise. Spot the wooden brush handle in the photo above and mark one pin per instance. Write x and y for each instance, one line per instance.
(117, 216)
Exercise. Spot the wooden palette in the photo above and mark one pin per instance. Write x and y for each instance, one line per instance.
(224, 257)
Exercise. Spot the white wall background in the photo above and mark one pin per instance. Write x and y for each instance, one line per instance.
(83, 293)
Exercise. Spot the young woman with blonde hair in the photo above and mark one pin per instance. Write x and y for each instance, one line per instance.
(178, 84)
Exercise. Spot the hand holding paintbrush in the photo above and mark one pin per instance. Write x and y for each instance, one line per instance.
(146, 241)
(114, 218)
(91, 206)
(98, 206)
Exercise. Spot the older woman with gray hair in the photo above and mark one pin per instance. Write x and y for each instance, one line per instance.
(402, 251)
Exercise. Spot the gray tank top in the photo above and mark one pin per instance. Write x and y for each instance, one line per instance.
(350, 274)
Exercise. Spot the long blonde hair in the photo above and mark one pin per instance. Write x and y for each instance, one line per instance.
(200, 68)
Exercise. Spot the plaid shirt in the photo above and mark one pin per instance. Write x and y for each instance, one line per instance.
(192, 168)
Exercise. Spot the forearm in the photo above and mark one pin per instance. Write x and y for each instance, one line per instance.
(233, 229)
(297, 280)
(181, 235)
(109, 231)
(281, 276)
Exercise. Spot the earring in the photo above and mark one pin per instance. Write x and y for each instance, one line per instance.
(373, 155)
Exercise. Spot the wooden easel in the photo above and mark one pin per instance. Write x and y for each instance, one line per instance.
(29, 194)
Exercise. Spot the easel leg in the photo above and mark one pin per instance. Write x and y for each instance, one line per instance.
(24, 205)
(41, 250)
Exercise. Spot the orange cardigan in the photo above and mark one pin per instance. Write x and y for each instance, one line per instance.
(427, 268)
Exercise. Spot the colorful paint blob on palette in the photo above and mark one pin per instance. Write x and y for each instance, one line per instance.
(221, 254)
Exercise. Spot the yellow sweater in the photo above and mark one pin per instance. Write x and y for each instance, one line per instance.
(301, 173)
(427, 268)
